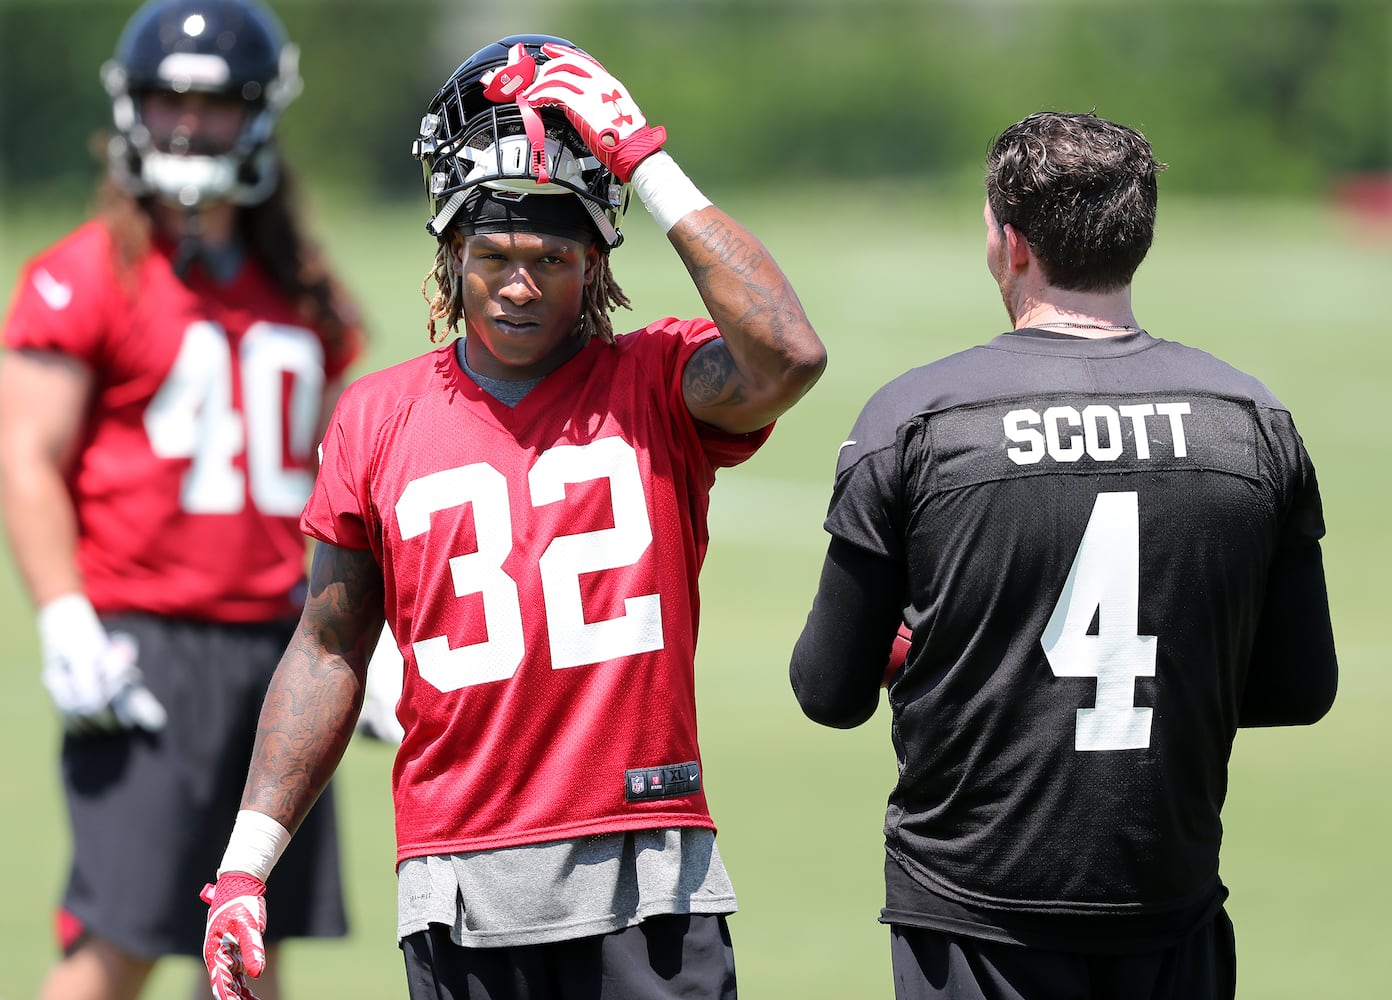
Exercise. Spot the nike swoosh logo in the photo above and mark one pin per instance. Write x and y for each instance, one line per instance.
(51, 290)
(845, 445)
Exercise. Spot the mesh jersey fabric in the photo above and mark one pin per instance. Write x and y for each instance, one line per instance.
(541, 566)
(1060, 503)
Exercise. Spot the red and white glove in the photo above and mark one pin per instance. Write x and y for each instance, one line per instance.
(233, 944)
(597, 105)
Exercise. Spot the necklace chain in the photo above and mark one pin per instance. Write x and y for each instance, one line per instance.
(1089, 326)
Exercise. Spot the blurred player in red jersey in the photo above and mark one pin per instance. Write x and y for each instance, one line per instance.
(170, 365)
(526, 507)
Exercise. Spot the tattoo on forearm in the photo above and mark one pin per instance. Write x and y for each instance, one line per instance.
(755, 309)
(765, 293)
(307, 717)
(299, 740)
(731, 251)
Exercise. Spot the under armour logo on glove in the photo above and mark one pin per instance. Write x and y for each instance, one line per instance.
(598, 106)
(614, 99)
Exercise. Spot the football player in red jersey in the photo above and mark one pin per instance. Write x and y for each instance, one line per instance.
(170, 365)
(526, 508)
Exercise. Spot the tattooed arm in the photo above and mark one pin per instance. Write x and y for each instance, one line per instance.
(314, 698)
(768, 355)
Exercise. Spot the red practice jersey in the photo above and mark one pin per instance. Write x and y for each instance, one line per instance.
(541, 568)
(198, 452)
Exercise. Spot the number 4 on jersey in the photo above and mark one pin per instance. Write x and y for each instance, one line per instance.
(1105, 580)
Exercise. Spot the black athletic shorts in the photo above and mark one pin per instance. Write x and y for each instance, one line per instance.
(663, 958)
(151, 813)
(933, 965)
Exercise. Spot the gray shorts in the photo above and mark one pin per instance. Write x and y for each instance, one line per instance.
(151, 814)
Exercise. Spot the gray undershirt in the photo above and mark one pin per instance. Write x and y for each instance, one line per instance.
(506, 392)
(539, 893)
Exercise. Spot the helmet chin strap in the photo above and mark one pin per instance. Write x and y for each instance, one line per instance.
(507, 84)
(611, 236)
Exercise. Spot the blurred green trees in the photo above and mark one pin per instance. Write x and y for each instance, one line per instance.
(1267, 97)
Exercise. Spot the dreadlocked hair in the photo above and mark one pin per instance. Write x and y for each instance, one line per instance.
(601, 295)
(446, 302)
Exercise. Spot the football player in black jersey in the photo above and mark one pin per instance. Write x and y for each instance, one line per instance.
(1103, 550)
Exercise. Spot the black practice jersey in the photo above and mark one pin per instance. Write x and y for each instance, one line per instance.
(1087, 529)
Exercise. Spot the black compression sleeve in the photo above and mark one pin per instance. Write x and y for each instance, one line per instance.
(1294, 672)
(839, 660)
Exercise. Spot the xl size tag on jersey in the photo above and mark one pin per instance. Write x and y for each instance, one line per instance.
(665, 781)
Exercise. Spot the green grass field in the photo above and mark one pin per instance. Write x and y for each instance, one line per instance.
(892, 278)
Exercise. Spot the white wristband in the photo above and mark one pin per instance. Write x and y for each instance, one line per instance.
(256, 844)
(665, 191)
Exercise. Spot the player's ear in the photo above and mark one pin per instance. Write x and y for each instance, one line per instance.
(592, 257)
(456, 250)
(1017, 248)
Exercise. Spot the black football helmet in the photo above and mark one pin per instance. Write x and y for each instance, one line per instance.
(234, 48)
(467, 139)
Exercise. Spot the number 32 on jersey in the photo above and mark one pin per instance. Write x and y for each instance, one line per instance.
(574, 641)
(1105, 579)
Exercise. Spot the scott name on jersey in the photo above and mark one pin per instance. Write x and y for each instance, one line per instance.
(1121, 433)
(1065, 432)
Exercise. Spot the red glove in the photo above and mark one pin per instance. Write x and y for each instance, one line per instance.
(233, 948)
(898, 653)
(598, 106)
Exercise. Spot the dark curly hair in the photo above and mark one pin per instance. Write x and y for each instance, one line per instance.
(1082, 190)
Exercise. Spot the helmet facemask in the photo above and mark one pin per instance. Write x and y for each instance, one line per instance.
(259, 69)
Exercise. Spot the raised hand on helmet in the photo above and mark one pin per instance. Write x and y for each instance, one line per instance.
(597, 105)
